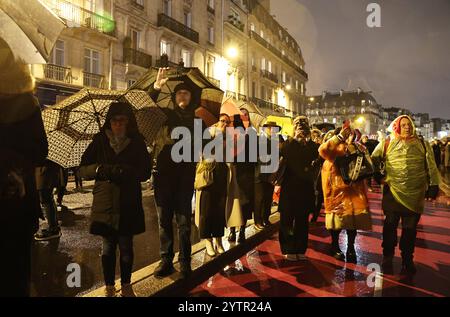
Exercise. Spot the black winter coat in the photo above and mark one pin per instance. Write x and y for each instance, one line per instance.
(297, 188)
(117, 206)
(22, 133)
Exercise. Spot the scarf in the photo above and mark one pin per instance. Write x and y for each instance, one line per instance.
(117, 143)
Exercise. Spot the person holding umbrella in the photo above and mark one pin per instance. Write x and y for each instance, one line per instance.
(174, 182)
(118, 160)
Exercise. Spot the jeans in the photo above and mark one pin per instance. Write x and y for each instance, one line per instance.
(183, 221)
(49, 208)
(109, 258)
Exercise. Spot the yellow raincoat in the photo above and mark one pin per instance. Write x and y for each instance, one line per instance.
(406, 172)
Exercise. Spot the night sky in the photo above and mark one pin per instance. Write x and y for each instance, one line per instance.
(405, 63)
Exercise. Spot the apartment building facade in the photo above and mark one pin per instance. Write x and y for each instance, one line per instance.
(236, 43)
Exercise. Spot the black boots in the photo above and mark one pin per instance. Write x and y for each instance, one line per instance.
(241, 237)
(351, 253)
(335, 251)
(408, 266)
(164, 269)
(232, 236)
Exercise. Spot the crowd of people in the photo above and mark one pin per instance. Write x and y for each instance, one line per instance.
(333, 169)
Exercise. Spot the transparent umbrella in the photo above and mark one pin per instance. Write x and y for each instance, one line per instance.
(30, 29)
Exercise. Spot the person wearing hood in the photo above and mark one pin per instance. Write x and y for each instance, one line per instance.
(118, 161)
(173, 181)
(211, 193)
(346, 205)
(297, 196)
(410, 172)
(23, 147)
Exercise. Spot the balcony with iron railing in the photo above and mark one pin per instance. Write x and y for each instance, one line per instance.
(57, 73)
(78, 16)
(267, 105)
(235, 95)
(177, 27)
(271, 76)
(93, 80)
(135, 57)
(276, 52)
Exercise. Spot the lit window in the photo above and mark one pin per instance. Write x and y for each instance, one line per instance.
(91, 61)
(165, 48)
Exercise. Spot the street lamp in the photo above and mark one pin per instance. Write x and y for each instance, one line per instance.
(232, 52)
(288, 87)
(360, 120)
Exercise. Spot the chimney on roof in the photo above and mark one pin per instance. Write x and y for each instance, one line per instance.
(359, 90)
(341, 92)
(324, 94)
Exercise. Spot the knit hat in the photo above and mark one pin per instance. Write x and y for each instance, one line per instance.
(182, 86)
(15, 77)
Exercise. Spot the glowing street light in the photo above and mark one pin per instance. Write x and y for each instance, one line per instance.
(288, 87)
(311, 99)
(232, 52)
(360, 120)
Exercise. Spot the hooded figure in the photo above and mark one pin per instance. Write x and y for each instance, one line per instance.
(118, 161)
(174, 181)
(297, 196)
(410, 171)
(23, 146)
(346, 205)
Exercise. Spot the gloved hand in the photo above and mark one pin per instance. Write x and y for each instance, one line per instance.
(110, 172)
(432, 192)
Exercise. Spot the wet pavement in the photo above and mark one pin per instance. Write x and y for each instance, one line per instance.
(76, 245)
(264, 272)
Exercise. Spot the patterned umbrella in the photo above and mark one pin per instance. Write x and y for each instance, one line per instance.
(71, 124)
(205, 94)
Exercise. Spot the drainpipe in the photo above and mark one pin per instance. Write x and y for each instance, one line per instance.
(223, 29)
(111, 49)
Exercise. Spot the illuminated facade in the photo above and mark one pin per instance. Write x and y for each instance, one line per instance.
(358, 106)
(236, 43)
